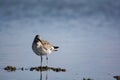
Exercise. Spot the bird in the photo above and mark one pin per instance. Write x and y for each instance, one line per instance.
(42, 48)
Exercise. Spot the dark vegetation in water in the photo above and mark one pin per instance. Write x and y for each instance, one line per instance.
(87, 79)
(116, 77)
(10, 68)
(39, 68)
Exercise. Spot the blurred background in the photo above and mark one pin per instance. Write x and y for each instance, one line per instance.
(87, 32)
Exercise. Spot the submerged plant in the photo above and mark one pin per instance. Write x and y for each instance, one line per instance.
(87, 79)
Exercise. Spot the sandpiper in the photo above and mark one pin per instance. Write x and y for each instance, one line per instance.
(42, 47)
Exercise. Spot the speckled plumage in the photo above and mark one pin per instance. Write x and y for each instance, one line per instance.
(42, 47)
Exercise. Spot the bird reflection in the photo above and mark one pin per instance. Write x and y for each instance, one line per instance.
(41, 75)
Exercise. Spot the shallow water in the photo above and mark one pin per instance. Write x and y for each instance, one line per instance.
(87, 32)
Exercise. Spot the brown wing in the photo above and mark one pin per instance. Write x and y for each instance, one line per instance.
(46, 44)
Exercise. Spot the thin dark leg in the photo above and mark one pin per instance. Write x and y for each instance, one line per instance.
(47, 59)
(41, 61)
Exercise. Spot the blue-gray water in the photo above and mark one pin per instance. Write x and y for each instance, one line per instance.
(87, 32)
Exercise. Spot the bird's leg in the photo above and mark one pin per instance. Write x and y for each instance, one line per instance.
(47, 59)
(41, 61)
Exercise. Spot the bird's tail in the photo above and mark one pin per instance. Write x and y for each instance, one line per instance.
(55, 48)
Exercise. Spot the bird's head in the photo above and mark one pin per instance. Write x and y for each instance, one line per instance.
(37, 36)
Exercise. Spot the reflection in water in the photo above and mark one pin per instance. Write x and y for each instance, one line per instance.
(41, 75)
